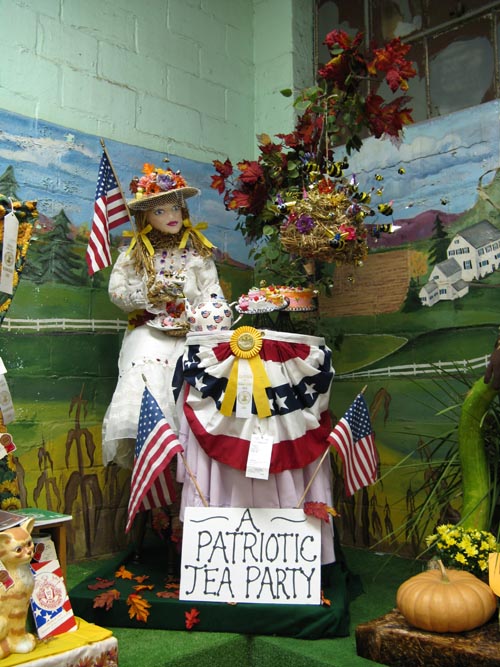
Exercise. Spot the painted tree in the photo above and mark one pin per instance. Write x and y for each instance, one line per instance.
(8, 183)
(53, 257)
(412, 300)
(440, 242)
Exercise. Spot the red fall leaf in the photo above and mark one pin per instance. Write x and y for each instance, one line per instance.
(319, 510)
(101, 583)
(106, 599)
(191, 618)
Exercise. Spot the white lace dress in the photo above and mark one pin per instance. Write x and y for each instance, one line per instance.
(148, 351)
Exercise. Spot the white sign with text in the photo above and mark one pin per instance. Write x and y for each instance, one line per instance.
(253, 555)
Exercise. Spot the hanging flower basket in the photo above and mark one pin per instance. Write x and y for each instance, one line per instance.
(325, 226)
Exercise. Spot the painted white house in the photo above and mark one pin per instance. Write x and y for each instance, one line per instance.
(472, 254)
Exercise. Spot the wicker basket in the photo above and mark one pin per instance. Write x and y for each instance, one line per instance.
(334, 236)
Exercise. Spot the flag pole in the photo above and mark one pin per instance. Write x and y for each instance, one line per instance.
(194, 480)
(117, 180)
(323, 457)
(189, 471)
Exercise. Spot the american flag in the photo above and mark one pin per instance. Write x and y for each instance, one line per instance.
(151, 484)
(354, 440)
(110, 211)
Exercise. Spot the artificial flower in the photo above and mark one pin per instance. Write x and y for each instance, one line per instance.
(462, 548)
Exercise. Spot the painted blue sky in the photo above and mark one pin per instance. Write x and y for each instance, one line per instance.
(58, 167)
(443, 160)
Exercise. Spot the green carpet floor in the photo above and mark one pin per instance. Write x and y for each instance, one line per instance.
(380, 576)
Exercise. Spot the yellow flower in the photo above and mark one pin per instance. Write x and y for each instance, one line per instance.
(11, 504)
(460, 558)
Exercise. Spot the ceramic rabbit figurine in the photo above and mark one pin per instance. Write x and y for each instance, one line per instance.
(16, 587)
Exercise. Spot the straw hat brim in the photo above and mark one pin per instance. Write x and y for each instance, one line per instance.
(151, 201)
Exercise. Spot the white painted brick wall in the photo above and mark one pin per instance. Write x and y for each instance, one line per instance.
(196, 78)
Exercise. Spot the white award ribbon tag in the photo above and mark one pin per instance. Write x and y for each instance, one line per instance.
(6, 405)
(259, 456)
(244, 390)
(9, 249)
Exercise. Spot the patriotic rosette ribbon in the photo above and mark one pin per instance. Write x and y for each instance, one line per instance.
(292, 376)
(246, 343)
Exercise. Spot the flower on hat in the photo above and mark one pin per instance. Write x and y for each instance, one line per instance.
(156, 180)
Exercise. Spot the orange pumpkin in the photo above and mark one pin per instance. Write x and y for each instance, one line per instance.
(446, 601)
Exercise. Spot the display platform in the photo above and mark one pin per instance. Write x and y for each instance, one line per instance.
(299, 621)
(390, 640)
(88, 645)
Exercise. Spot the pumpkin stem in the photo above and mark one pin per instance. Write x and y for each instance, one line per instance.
(444, 574)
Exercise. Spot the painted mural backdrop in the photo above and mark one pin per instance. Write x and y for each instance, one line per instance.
(61, 339)
(422, 310)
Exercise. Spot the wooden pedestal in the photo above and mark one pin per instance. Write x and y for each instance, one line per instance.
(391, 641)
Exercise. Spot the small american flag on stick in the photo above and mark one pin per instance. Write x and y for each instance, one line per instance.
(354, 440)
(110, 211)
(151, 484)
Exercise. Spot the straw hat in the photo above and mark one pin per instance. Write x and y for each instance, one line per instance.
(159, 186)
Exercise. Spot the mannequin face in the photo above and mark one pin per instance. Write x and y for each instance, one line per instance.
(166, 218)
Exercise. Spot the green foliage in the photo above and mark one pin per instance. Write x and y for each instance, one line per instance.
(436, 490)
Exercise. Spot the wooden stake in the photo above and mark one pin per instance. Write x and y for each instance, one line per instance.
(117, 181)
(323, 457)
(194, 480)
(189, 471)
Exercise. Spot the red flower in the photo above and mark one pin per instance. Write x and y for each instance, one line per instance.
(325, 186)
(388, 117)
(391, 60)
(225, 169)
(238, 199)
(343, 40)
(268, 149)
(251, 171)
(218, 183)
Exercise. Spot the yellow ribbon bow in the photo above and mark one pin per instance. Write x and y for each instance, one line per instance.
(246, 343)
(144, 236)
(195, 230)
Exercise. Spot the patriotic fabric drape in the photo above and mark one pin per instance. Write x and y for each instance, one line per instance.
(300, 374)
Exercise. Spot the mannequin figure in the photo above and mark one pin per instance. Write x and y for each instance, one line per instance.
(167, 263)
(151, 282)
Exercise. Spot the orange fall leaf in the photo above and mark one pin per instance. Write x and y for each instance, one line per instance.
(123, 573)
(143, 587)
(141, 578)
(173, 595)
(138, 607)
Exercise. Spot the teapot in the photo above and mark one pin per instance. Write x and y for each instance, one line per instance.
(213, 315)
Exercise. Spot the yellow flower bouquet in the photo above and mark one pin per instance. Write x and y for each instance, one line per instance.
(26, 213)
(462, 548)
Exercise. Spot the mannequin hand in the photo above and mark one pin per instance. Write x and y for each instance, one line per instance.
(166, 289)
